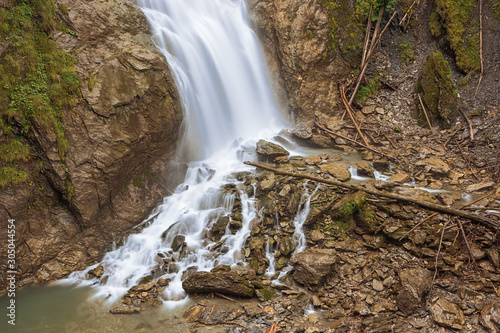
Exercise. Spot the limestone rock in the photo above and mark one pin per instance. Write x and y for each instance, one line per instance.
(415, 282)
(312, 267)
(338, 170)
(400, 178)
(303, 131)
(303, 65)
(227, 283)
(365, 168)
(434, 165)
(448, 314)
(269, 149)
(479, 186)
(490, 317)
(211, 314)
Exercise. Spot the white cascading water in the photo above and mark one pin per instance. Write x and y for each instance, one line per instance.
(220, 73)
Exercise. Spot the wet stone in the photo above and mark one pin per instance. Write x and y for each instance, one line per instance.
(269, 149)
(177, 242)
(123, 309)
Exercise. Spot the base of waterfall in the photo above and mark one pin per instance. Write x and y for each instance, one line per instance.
(343, 266)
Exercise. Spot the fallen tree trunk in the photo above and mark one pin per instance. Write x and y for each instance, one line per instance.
(402, 198)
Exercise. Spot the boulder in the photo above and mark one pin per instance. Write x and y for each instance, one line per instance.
(338, 170)
(269, 149)
(415, 282)
(312, 267)
(227, 283)
(211, 314)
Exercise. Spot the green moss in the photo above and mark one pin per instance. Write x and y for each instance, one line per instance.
(437, 90)
(36, 79)
(346, 29)
(310, 34)
(70, 189)
(435, 24)
(496, 8)
(64, 8)
(11, 175)
(369, 89)
(346, 210)
(462, 31)
(14, 151)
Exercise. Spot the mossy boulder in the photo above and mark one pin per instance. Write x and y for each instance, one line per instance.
(437, 90)
(269, 149)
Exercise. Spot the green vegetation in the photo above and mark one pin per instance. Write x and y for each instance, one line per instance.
(14, 151)
(348, 209)
(346, 29)
(455, 18)
(369, 89)
(37, 81)
(438, 92)
(406, 53)
(11, 175)
(496, 8)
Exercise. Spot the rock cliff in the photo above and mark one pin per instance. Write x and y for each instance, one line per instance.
(121, 131)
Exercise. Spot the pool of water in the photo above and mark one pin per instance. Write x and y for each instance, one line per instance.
(67, 309)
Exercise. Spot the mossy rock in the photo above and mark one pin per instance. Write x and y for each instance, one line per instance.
(265, 293)
(457, 21)
(437, 90)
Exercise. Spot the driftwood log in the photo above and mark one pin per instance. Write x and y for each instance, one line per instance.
(401, 198)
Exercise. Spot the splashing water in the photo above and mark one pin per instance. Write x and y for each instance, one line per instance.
(218, 68)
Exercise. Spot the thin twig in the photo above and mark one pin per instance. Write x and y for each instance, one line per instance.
(418, 224)
(437, 254)
(413, 4)
(451, 136)
(370, 51)
(225, 297)
(425, 112)
(466, 159)
(348, 107)
(466, 241)
(367, 36)
(356, 142)
(471, 131)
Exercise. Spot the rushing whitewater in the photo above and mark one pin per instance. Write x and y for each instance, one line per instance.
(219, 71)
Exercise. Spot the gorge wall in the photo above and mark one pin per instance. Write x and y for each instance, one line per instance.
(121, 130)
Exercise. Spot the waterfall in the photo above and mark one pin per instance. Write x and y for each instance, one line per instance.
(215, 58)
(220, 73)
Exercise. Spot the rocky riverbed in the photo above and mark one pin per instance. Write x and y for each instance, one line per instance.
(370, 264)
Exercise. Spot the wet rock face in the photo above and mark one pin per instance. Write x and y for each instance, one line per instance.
(296, 41)
(121, 131)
